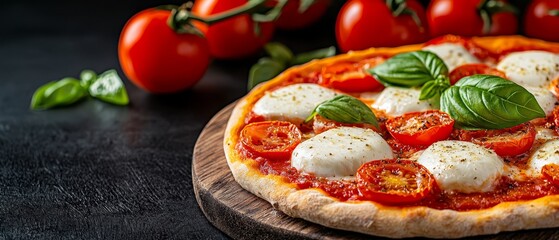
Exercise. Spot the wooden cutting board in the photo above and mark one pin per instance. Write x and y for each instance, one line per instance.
(242, 215)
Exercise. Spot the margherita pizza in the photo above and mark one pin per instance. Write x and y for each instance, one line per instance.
(452, 138)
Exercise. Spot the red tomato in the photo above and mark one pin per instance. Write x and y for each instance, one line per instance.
(476, 50)
(462, 17)
(291, 18)
(271, 139)
(232, 38)
(156, 58)
(351, 77)
(363, 24)
(420, 128)
(505, 142)
(394, 181)
(539, 22)
(473, 69)
(551, 173)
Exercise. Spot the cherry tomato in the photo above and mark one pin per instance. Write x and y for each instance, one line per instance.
(394, 181)
(551, 173)
(363, 24)
(156, 58)
(472, 47)
(462, 17)
(291, 19)
(351, 77)
(540, 20)
(420, 128)
(505, 142)
(473, 69)
(271, 139)
(235, 37)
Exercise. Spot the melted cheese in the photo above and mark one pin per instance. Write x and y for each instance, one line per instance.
(452, 54)
(530, 68)
(339, 152)
(293, 102)
(544, 97)
(462, 166)
(397, 101)
(545, 154)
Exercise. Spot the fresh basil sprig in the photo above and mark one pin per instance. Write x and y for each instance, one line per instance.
(489, 102)
(280, 59)
(345, 109)
(107, 87)
(412, 69)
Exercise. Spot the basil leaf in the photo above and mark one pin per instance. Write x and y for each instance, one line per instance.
(316, 54)
(410, 69)
(263, 71)
(109, 88)
(434, 89)
(345, 109)
(279, 52)
(59, 93)
(489, 102)
(87, 77)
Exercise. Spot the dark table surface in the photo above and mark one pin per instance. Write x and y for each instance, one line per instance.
(94, 170)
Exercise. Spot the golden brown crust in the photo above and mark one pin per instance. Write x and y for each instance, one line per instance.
(372, 218)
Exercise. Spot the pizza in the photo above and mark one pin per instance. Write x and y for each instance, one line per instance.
(455, 137)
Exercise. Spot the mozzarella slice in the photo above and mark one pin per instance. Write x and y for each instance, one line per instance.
(339, 152)
(530, 68)
(397, 101)
(452, 54)
(545, 154)
(293, 102)
(462, 166)
(544, 97)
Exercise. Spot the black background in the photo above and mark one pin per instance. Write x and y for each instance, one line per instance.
(94, 170)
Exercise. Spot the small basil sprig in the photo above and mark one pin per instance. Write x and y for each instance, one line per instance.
(345, 109)
(107, 87)
(489, 102)
(280, 59)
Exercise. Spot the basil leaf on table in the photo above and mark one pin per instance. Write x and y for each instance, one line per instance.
(58, 93)
(410, 69)
(489, 102)
(264, 70)
(345, 109)
(278, 51)
(108, 87)
(315, 54)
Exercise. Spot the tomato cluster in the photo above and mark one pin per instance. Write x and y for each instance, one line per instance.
(386, 23)
(160, 59)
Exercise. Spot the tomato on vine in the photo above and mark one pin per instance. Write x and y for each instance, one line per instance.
(541, 17)
(235, 37)
(363, 24)
(157, 58)
(471, 17)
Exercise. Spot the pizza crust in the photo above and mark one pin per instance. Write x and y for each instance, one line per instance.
(370, 217)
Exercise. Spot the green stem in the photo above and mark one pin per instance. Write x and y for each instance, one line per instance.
(554, 12)
(249, 7)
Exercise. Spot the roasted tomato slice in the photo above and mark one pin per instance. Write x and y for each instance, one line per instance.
(271, 139)
(420, 128)
(394, 181)
(505, 142)
(551, 173)
(473, 69)
(351, 76)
